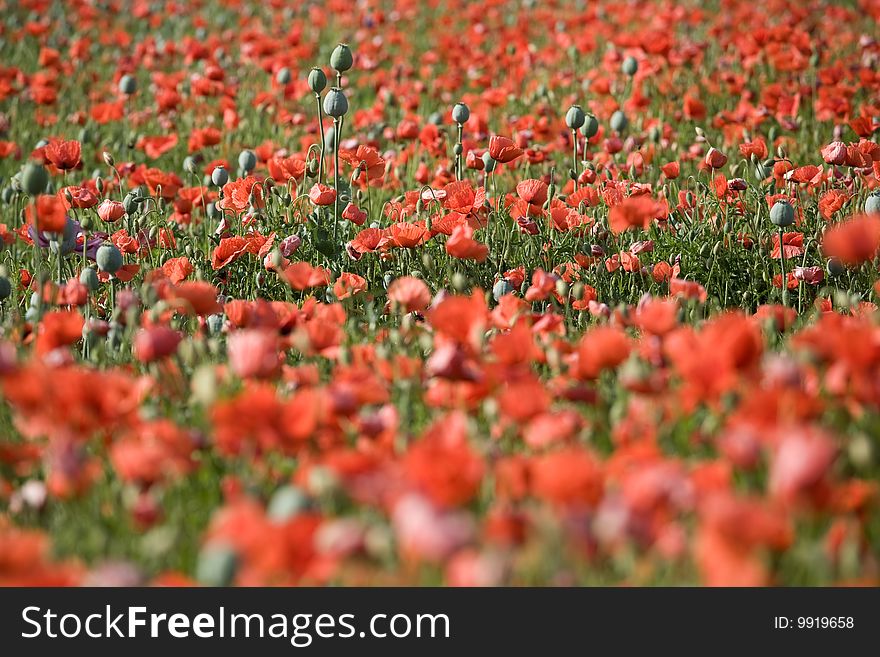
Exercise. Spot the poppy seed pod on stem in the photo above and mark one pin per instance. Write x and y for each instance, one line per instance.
(335, 103)
(630, 66)
(317, 80)
(127, 84)
(590, 128)
(219, 176)
(872, 204)
(283, 76)
(575, 117)
(341, 59)
(461, 113)
(109, 259)
(247, 161)
(782, 214)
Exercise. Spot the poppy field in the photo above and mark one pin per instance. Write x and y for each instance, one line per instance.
(447, 293)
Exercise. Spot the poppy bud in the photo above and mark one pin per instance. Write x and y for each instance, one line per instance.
(34, 178)
(247, 161)
(488, 162)
(459, 281)
(461, 113)
(577, 290)
(715, 159)
(130, 203)
(590, 126)
(782, 214)
(341, 59)
(561, 288)
(5, 288)
(629, 66)
(109, 259)
(872, 204)
(283, 76)
(575, 117)
(219, 176)
(317, 80)
(619, 122)
(128, 84)
(335, 103)
(89, 278)
(108, 159)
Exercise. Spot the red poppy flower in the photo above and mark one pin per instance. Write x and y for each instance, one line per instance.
(503, 149)
(65, 155)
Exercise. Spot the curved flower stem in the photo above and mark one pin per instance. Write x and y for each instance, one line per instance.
(321, 130)
(574, 157)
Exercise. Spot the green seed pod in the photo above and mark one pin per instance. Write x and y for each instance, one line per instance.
(459, 281)
(457, 149)
(5, 288)
(109, 258)
(655, 134)
(590, 126)
(89, 278)
(501, 288)
(619, 122)
(247, 160)
(34, 178)
(461, 113)
(872, 203)
(835, 267)
(317, 80)
(283, 76)
(87, 222)
(782, 214)
(341, 58)
(216, 566)
(130, 203)
(219, 176)
(335, 103)
(630, 66)
(128, 84)
(575, 117)
(287, 502)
